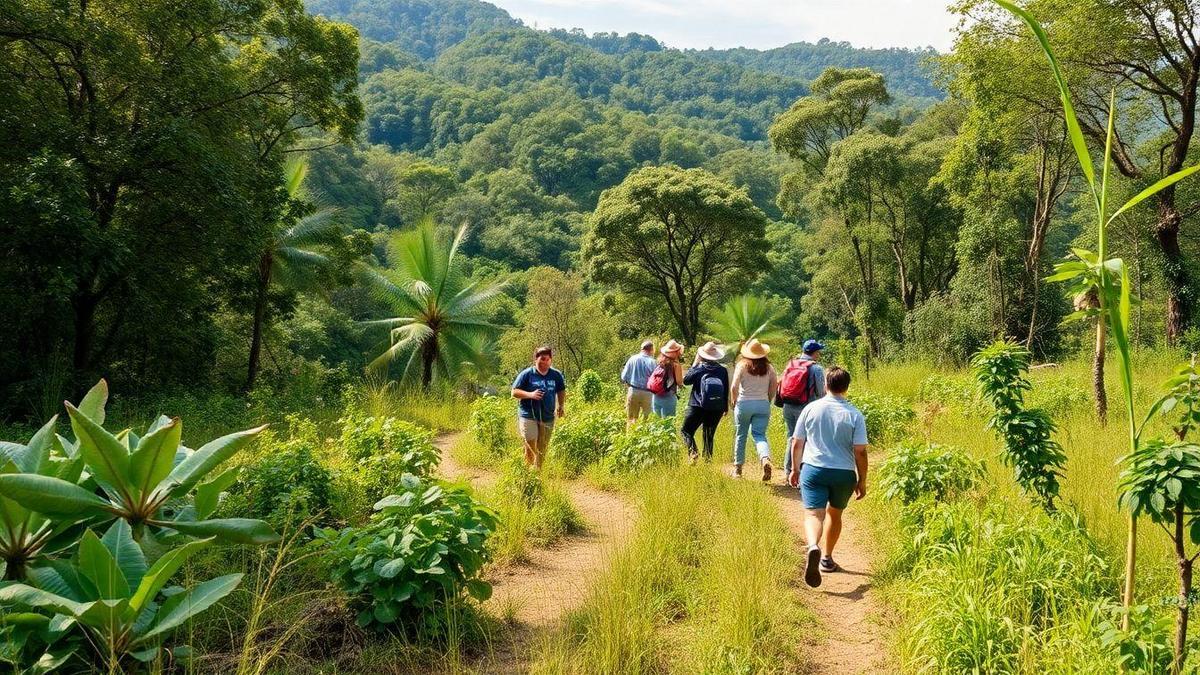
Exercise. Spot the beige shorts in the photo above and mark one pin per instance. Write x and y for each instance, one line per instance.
(637, 403)
(535, 433)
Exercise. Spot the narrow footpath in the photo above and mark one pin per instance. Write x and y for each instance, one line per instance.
(536, 594)
(845, 604)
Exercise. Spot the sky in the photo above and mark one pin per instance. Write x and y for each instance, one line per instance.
(761, 24)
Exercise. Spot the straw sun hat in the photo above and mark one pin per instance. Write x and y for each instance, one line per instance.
(711, 351)
(753, 349)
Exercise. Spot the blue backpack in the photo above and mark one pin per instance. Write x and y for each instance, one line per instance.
(712, 392)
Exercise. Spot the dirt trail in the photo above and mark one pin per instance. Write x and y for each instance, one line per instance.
(845, 603)
(537, 593)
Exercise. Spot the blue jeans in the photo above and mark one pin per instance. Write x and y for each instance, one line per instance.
(750, 419)
(791, 413)
(664, 406)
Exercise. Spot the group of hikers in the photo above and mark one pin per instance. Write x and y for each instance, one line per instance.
(826, 439)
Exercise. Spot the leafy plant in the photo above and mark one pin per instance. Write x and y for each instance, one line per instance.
(491, 422)
(1029, 448)
(1111, 276)
(887, 416)
(424, 547)
(746, 317)
(442, 324)
(590, 385)
(111, 591)
(585, 438)
(288, 485)
(916, 471)
(149, 481)
(649, 442)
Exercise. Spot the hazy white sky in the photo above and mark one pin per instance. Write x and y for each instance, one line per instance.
(760, 24)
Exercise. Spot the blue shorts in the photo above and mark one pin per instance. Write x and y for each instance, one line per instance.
(821, 487)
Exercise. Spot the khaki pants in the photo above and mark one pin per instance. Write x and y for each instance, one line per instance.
(638, 403)
(535, 433)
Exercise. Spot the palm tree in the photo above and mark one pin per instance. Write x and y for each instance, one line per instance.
(745, 317)
(291, 257)
(441, 326)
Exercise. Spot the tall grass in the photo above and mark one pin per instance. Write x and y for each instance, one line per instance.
(701, 585)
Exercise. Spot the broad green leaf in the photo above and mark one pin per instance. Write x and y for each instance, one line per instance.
(208, 494)
(98, 564)
(105, 615)
(154, 457)
(1153, 189)
(197, 465)
(93, 402)
(130, 559)
(180, 608)
(238, 530)
(28, 596)
(37, 452)
(161, 571)
(1073, 129)
(105, 456)
(52, 496)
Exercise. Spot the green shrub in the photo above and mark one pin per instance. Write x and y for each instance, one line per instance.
(378, 452)
(424, 547)
(491, 423)
(649, 442)
(585, 438)
(916, 471)
(887, 416)
(591, 386)
(287, 485)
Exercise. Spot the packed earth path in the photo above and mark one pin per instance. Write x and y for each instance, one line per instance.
(845, 604)
(538, 592)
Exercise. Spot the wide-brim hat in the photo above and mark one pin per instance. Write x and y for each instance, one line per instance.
(672, 349)
(753, 349)
(711, 351)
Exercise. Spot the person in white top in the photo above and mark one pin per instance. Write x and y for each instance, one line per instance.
(751, 392)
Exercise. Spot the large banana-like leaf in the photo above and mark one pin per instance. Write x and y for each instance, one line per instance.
(208, 493)
(93, 402)
(238, 530)
(162, 571)
(197, 465)
(52, 496)
(28, 596)
(183, 606)
(154, 457)
(36, 454)
(125, 551)
(106, 457)
(98, 564)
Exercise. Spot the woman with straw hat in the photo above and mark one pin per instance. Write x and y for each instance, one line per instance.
(665, 379)
(709, 398)
(753, 388)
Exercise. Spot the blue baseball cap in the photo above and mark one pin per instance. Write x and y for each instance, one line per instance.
(811, 346)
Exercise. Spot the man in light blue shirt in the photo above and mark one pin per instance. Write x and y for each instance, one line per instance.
(636, 372)
(830, 442)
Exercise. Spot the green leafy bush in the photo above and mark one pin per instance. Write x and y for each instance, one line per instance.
(287, 485)
(649, 442)
(491, 423)
(887, 416)
(585, 438)
(425, 547)
(591, 386)
(916, 471)
(381, 450)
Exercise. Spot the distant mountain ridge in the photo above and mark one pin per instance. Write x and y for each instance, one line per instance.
(427, 28)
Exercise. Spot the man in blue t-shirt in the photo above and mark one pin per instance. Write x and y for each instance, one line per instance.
(541, 392)
(637, 370)
(830, 443)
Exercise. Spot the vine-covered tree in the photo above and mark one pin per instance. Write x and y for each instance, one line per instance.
(678, 237)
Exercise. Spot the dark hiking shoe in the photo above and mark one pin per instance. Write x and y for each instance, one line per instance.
(737, 471)
(812, 568)
(767, 471)
(828, 566)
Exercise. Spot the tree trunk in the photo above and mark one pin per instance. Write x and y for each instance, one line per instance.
(1098, 374)
(260, 314)
(429, 354)
(1185, 593)
(1166, 233)
(1130, 566)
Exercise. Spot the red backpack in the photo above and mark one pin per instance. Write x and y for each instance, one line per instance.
(659, 382)
(794, 386)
